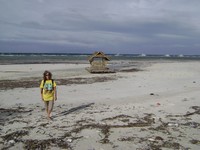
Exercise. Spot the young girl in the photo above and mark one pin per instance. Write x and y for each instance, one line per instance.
(48, 92)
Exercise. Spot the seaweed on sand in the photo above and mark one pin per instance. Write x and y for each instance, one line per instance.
(32, 82)
(44, 144)
(11, 112)
(15, 135)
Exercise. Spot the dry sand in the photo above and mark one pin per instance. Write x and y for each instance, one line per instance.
(144, 105)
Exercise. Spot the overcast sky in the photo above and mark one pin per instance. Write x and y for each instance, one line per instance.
(112, 26)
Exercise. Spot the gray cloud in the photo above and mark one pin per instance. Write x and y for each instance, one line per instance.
(115, 26)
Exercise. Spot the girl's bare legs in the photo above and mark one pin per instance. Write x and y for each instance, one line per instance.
(49, 108)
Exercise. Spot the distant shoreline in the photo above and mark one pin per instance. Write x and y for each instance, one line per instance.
(9, 60)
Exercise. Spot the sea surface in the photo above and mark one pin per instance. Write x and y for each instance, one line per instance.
(34, 58)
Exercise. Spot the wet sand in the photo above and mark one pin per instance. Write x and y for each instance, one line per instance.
(144, 105)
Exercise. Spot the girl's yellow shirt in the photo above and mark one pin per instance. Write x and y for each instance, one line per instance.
(48, 89)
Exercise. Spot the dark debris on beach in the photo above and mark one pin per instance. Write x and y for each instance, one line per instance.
(35, 82)
(30, 83)
(9, 113)
(162, 133)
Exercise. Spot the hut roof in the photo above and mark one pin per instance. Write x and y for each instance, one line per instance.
(98, 55)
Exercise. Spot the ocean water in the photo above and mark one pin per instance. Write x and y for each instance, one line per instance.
(34, 58)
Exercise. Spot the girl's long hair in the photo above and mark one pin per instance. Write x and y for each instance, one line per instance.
(47, 72)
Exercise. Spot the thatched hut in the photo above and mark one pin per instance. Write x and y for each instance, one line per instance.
(98, 62)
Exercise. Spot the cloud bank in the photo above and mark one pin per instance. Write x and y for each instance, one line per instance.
(113, 26)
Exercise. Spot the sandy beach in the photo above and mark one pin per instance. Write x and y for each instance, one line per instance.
(145, 105)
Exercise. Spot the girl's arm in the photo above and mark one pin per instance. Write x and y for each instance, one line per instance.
(55, 93)
(41, 92)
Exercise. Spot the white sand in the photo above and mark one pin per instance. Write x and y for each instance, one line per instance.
(166, 90)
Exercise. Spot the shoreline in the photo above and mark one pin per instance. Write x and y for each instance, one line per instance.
(144, 105)
(85, 60)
